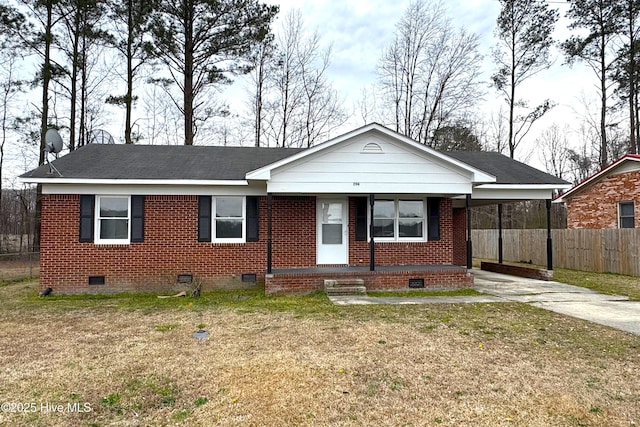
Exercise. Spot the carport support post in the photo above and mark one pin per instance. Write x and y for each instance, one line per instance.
(469, 245)
(372, 246)
(269, 230)
(500, 233)
(549, 241)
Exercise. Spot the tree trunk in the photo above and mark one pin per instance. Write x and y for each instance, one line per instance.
(604, 157)
(129, 96)
(46, 77)
(633, 148)
(188, 77)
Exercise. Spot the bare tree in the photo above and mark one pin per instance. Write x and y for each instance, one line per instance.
(553, 148)
(204, 42)
(130, 19)
(497, 135)
(601, 21)
(300, 105)
(524, 29)
(626, 72)
(260, 58)
(429, 75)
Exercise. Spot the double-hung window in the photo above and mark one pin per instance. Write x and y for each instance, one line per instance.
(113, 219)
(399, 220)
(626, 215)
(229, 219)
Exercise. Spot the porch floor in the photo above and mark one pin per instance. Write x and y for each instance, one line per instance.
(365, 269)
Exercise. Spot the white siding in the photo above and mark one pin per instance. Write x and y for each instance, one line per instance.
(345, 168)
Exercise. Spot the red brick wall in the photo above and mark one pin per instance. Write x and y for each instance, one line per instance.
(152, 265)
(405, 253)
(460, 236)
(170, 247)
(597, 205)
(294, 232)
(446, 278)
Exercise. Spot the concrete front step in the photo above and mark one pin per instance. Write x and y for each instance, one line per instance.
(345, 286)
(346, 290)
(333, 283)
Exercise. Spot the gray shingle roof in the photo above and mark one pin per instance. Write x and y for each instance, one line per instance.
(170, 162)
(505, 169)
(180, 162)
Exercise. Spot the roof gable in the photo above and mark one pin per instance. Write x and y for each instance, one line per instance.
(371, 138)
(626, 163)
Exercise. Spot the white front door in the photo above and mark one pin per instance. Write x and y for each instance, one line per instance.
(332, 231)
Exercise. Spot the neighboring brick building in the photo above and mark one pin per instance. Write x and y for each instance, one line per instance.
(608, 199)
(143, 218)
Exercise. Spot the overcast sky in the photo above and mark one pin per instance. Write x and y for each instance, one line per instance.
(359, 30)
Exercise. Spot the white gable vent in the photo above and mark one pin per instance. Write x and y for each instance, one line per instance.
(372, 147)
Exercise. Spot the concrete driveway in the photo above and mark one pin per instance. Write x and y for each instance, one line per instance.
(610, 310)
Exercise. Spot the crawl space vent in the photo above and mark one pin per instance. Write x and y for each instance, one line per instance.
(185, 278)
(249, 277)
(96, 280)
(416, 283)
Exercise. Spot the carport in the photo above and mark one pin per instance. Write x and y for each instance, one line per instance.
(515, 182)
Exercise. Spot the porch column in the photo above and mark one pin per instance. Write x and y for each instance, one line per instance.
(500, 233)
(469, 245)
(549, 241)
(372, 246)
(269, 230)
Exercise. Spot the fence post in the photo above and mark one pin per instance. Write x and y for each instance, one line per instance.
(549, 241)
(500, 233)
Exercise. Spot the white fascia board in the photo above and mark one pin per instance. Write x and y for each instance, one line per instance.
(333, 188)
(84, 181)
(264, 173)
(155, 190)
(513, 192)
(524, 186)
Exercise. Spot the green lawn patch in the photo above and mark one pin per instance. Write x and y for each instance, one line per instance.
(606, 283)
(467, 292)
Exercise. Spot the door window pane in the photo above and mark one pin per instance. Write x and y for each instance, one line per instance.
(331, 213)
(331, 234)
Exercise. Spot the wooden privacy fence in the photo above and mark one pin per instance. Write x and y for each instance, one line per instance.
(612, 251)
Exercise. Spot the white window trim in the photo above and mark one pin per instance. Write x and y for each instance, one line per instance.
(620, 213)
(396, 222)
(97, 222)
(242, 239)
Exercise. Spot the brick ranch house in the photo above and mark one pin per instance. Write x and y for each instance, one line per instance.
(370, 204)
(607, 199)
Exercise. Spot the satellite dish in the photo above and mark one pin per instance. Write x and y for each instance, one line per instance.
(53, 141)
(100, 136)
(52, 144)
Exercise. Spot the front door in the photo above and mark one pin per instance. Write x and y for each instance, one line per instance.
(332, 232)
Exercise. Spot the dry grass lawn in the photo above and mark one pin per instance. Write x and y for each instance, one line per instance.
(281, 361)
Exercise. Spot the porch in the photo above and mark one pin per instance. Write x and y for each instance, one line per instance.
(432, 276)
